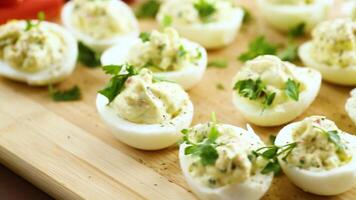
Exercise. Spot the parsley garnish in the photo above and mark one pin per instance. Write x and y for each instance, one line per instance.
(145, 36)
(41, 17)
(182, 52)
(292, 89)
(333, 136)
(255, 89)
(260, 46)
(205, 150)
(247, 15)
(218, 63)
(290, 53)
(205, 9)
(297, 31)
(148, 9)
(66, 95)
(167, 21)
(117, 82)
(87, 56)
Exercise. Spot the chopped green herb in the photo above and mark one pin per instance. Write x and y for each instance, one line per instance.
(219, 63)
(220, 86)
(292, 89)
(182, 52)
(148, 9)
(145, 36)
(247, 15)
(29, 25)
(272, 139)
(290, 53)
(205, 9)
(333, 136)
(272, 166)
(66, 95)
(87, 56)
(167, 21)
(297, 31)
(268, 100)
(260, 46)
(117, 82)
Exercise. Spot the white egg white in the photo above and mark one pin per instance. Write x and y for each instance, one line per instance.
(48, 75)
(350, 106)
(211, 35)
(187, 77)
(144, 136)
(333, 74)
(285, 112)
(252, 189)
(95, 44)
(286, 17)
(329, 182)
(348, 7)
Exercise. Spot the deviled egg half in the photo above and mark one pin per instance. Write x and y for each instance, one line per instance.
(170, 57)
(211, 23)
(270, 92)
(142, 111)
(216, 162)
(36, 52)
(332, 51)
(288, 14)
(99, 24)
(350, 106)
(323, 158)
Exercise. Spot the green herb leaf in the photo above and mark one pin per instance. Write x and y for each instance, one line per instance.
(220, 86)
(272, 167)
(249, 88)
(145, 36)
(87, 56)
(167, 21)
(268, 100)
(117, 82)
(297, 31)
(334, 137)
(292, 89)
(182, 52)
(290, 53)
(208, 155)
(260, 46)
(218, 63)
(66, 95)
(272, 139)
(247, 15)
(270, 153)
(41, 17)
(148, 9)
(205, 9)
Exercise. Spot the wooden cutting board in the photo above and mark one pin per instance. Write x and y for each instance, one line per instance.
(65, 149)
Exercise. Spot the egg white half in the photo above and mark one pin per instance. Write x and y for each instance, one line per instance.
(330, 182)
(285, 112)
(99, 45)
(144, 136)
(210, 35)
(286, 17)
(252, 189)
(187, 77)
(48, 75)
(333, 74)
(350, 106)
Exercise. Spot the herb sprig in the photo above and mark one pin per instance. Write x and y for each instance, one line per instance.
(259, 46)
(71, 94)
(333, 136)
(205, 9)
(29, 24)
(218, 63)
(292, 89)
(87, 56)
(116, 84)
(148, 9)
(205, 150)
(297, 31)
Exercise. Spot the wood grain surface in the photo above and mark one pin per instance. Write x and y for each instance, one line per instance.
(65, 149)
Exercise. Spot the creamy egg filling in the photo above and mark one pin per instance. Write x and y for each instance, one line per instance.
(146, 101)
(163, 51)
(100, 19)
(334, 43)
(232, 163)
(319, 145)
(186, 12)
(30, 50)
(266, 80)
(292, 2)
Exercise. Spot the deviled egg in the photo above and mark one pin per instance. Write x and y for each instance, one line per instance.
(350, 106)
(288, 14)
(99, 24)
(332, 51)
(270, 92)
(170, 57)
(211, 23)
(323, 158)
(36, 52)
(142, 111)
(215, 160)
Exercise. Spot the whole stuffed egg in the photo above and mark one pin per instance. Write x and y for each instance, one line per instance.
(215, 161)
(36, 52)
(288, 14)
(270, 92)
(144, 113)
(211, 23)
(99, 24)
(350, 106)
(170, 57)
(323, 160)
(332, 51)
